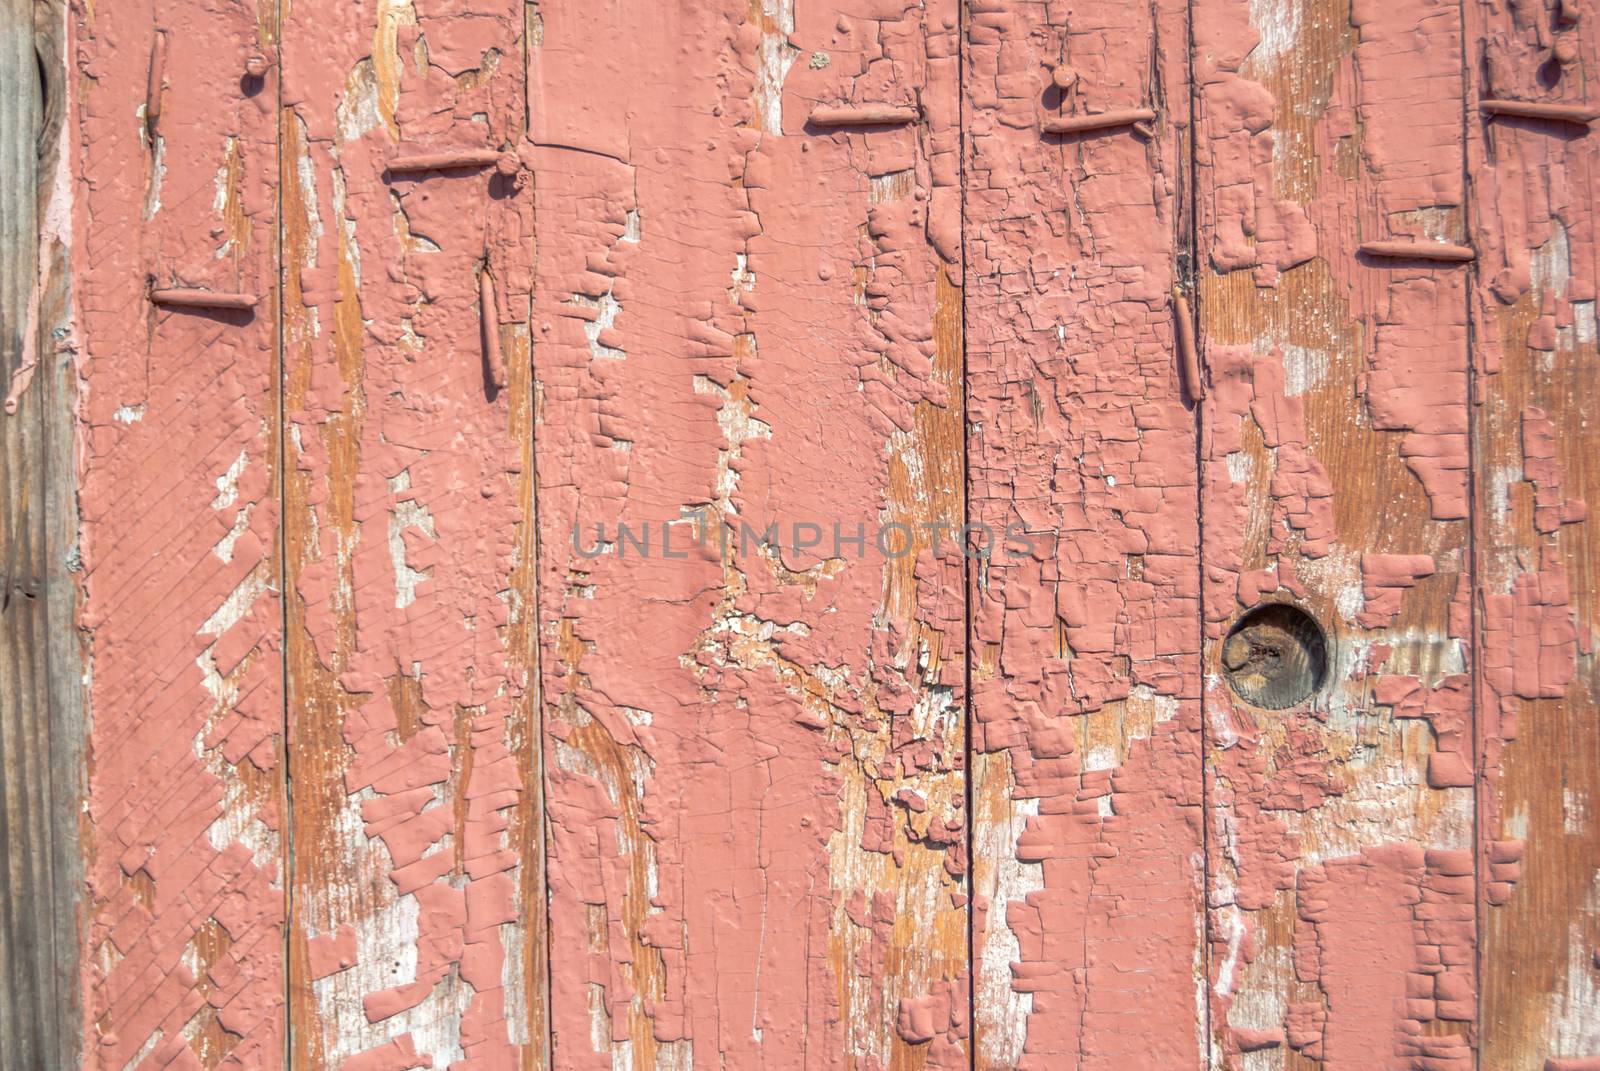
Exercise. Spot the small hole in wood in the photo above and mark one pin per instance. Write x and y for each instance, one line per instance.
(1275, 656)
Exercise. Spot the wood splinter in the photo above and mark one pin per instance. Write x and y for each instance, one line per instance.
(1138, 118)
(457, 160)
(489, 313)
(189, 298)
(1581, 114)
(1442, 251)
(1188, 354)
(862, 115)
(158, 74)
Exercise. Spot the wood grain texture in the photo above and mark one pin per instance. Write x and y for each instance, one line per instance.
(41, 661)
(1085, 618)
(179, 492)
(1535, 442)
(749, 355)
(1335, 478)
(417, 929)
(744, 454)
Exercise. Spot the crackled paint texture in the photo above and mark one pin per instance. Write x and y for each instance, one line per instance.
(540, 632)
(178, 478)
(744, 321)
(1086, 715)
(412, 731)
(1534, 353)
(1335, 464)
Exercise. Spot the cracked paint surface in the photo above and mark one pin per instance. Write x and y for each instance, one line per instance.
(1343, 834)
(1534, 348)
(746, 324)
(410, 554)
(1086, 780)
(184, 822)
(614, 577)
(1335, 465)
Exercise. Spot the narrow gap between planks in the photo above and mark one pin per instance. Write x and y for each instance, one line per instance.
(1188, 273)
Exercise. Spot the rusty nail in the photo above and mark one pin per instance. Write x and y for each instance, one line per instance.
(1188, 354)
(1073, 124)
(1581, 114)
(158, 72)
(454, 160)
(1063, 76)
(1144, 130)
(257, 65)
(1454, 254)
(186, 297)
(489, 313)
(862, 115)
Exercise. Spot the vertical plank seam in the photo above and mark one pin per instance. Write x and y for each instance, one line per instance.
(14, 715)
(280, 390)
(56, 1024)
(1190, 217)
(61, 1029)
(1469, 288)
(968, 645)
(538, 792)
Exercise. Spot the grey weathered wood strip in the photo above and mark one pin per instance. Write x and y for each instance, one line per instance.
(41, 667)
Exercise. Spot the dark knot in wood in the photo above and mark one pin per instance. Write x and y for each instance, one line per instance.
(1275, 656)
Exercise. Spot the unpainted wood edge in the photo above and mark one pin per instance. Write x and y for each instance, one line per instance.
(42, 712)
(539, 1017)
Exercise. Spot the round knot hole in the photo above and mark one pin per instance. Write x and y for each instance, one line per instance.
(1275, 656)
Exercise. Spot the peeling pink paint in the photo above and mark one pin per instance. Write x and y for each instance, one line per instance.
(1390, 945)
(738, 316)
(1385, 578)
(179, 499)
(1080, 436)
(1378, 912)
(1534, 203)
(723, 271)
(408, 504)
(1541, 468)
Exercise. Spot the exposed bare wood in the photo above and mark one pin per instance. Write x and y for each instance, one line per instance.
(416, 914)
(179, 487)
(1335, 484)
(1535, 208)
(1085, 616)
(41, 662)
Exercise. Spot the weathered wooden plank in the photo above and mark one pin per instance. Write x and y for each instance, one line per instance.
(179, 496)
(41, 661)
(416, 905)
(1085, 618)
(1534, 189)
(749, 348)
(1335, 480)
